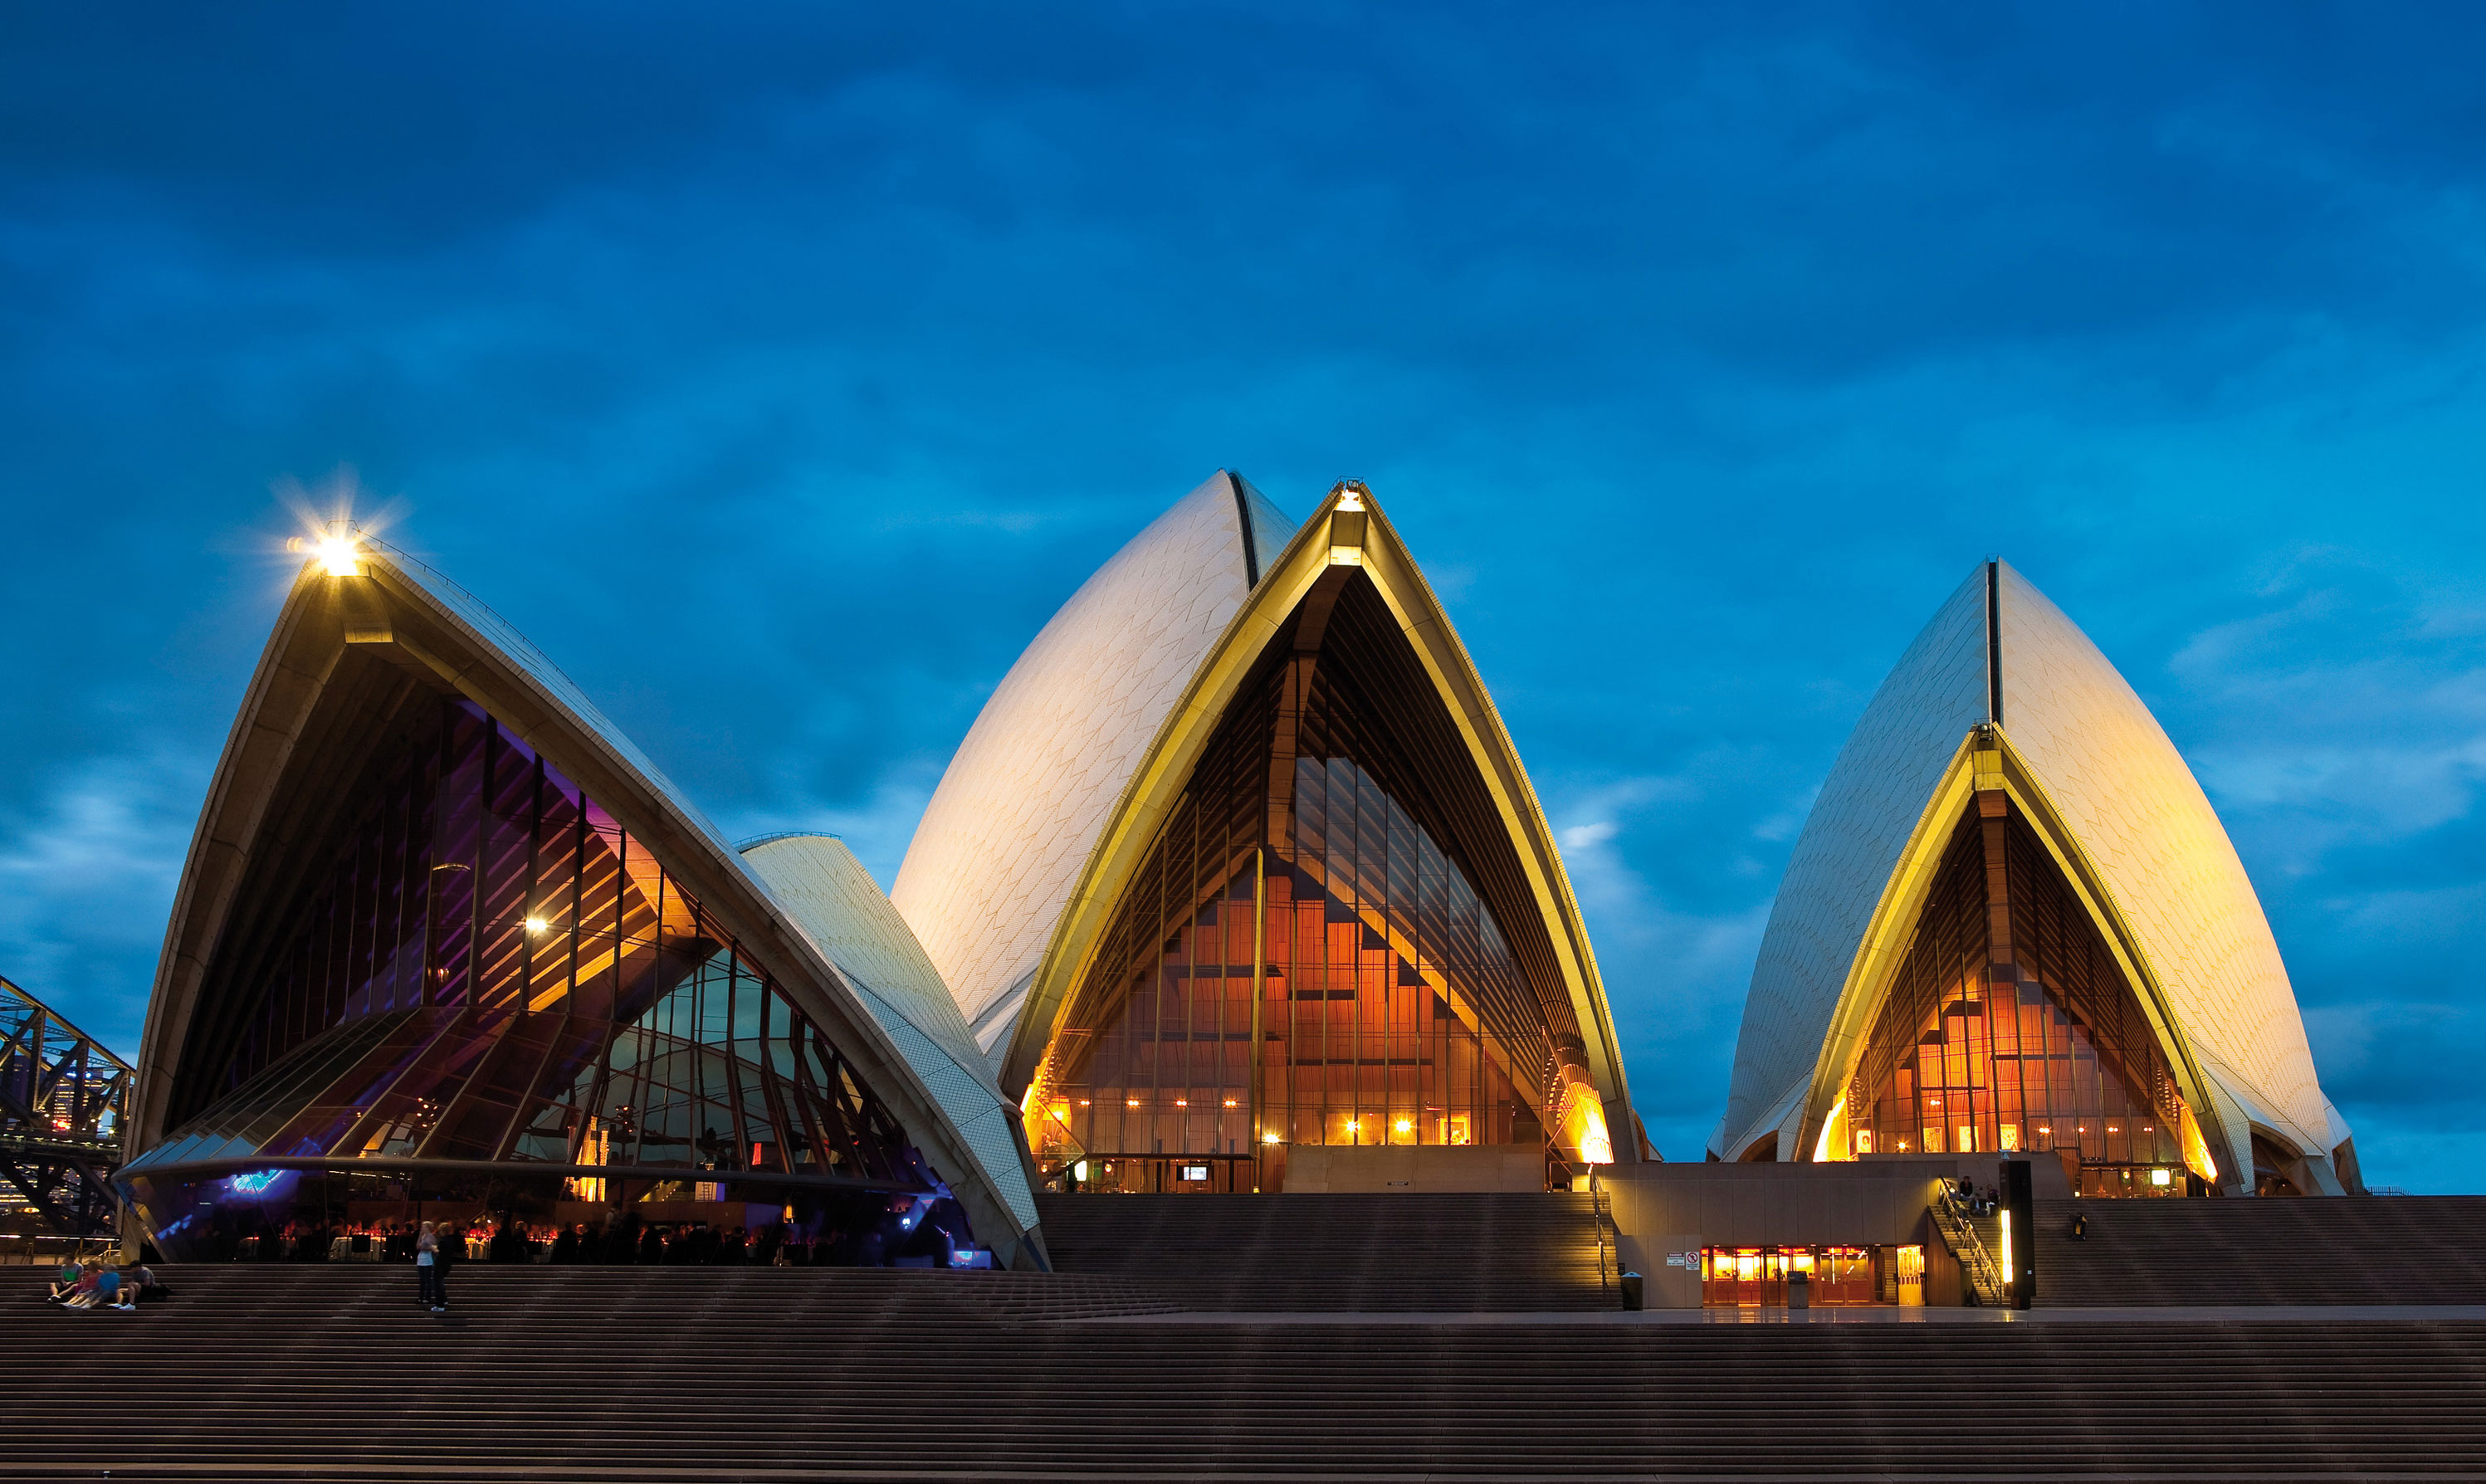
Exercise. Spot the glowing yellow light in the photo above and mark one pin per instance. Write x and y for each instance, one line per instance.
(1131, 1103)
(1405, 1126)
(1229, 1102)
(1182, 1102)
(537, 924)
(343, 557)
(1269, 1138)
(2162, 1178)
(1350, 1125)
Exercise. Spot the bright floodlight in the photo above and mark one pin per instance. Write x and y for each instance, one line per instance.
(342, 555)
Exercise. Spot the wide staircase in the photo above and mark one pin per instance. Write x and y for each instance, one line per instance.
(2313, 1249)
(1402, 1252)
(332, 1372)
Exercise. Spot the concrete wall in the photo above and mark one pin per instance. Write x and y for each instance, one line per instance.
(1865, 1203)
(1316, 1168)
(1668, 1209)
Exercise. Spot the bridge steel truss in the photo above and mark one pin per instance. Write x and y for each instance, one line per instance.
(63, 1100)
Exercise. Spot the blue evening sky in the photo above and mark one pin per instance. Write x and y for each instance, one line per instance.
(780, 369)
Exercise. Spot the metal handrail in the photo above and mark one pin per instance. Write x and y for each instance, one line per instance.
(1983, 1273)
(1597, 1216)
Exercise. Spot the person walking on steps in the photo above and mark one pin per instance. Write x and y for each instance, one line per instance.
(431, 1274)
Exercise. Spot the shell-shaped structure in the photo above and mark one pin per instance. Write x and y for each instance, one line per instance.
(2003, 699)
(832, 897)
(1240, 860)
(1029, 789)
(444, 932)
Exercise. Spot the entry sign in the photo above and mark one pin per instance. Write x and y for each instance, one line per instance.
(1691, 1259)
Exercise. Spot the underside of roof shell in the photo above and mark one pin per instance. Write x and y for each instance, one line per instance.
(834, 899)
(297, 748)
(2129, 803)
(1015, 816)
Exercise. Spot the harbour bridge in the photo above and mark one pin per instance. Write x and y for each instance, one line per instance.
(62, 1097)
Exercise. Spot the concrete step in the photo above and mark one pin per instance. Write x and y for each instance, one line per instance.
(2315, 1250)
(1428, 1252)
(278, 1371)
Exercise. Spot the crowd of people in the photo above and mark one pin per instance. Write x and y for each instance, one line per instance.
(96, 1284)
(626, 1240)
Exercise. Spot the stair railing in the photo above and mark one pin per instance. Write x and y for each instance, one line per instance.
(1597, 1216)
(1983, 1275)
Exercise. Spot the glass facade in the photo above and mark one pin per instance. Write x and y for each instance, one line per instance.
(2049, 1052)
(1832, 1276)
(1303, 958)
(493, 969)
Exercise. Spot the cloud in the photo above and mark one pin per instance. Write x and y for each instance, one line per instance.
(780, 373)
(86, 885)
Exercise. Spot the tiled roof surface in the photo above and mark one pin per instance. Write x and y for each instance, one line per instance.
(1030, 788)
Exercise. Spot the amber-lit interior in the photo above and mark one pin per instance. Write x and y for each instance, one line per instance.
(2048, 1053)
(1758, 1277)
(1305, 956)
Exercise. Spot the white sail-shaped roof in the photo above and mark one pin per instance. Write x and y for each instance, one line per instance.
(1030, 788)
(818, 881)
(2131, 806)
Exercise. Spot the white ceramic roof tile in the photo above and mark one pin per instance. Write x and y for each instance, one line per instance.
(1001, 845)
(2125, 793)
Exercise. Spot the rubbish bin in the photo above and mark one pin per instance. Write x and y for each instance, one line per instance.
(1799, 1290)
(1633, 1292)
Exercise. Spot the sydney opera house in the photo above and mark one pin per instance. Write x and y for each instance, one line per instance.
(1230, 995)
(1236, 885)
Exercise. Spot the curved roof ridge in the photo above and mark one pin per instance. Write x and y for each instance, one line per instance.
(744, 846)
